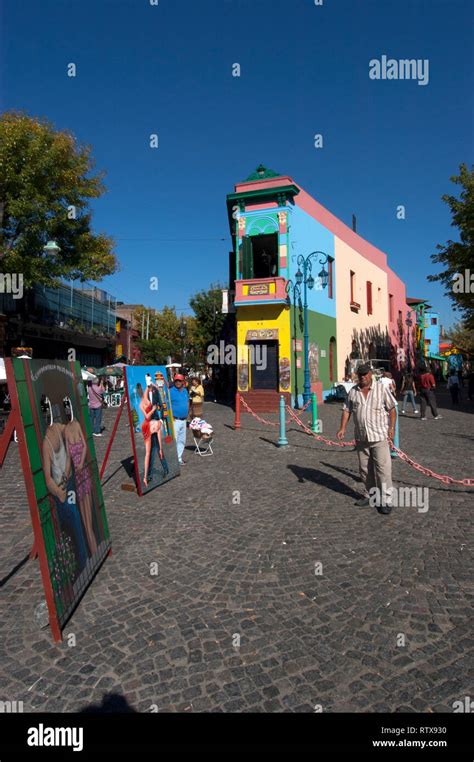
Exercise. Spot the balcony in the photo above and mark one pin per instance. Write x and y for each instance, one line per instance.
(260, 291)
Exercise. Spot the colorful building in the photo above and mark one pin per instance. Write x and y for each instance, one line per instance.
(355, 308)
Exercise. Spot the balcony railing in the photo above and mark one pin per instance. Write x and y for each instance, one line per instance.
(260, 291)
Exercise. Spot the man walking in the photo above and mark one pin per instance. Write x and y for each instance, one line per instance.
(427, 386)
(180, 406)
(374, 410)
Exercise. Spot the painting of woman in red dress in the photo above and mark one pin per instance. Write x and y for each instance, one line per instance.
(149, 427)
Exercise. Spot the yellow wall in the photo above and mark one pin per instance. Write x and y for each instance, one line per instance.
(263, 316)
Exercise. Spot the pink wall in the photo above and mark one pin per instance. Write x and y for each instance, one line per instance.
(396, 287)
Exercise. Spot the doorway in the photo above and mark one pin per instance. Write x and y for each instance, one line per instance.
(264, 364)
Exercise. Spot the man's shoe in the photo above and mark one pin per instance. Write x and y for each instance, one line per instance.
(423, 419)
(385, 509)
(363, 501)
(181, 462)
(415, 412)
(96, 435)
(438, 417)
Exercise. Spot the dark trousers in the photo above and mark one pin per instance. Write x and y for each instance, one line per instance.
(454, 390)
(428, 396)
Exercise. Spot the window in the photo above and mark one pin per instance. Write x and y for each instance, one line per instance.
(330, 277)
(434, 321)
(352, 286)
(369, 297)
(390, 307)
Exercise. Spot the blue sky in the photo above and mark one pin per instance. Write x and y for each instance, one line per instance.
(167, 69)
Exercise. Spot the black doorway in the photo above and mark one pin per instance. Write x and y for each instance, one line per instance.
(264, 362)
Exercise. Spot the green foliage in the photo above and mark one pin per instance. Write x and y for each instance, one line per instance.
(43, 174)
(458, 256)
(164, 336)
(462, 336)
(207, 307)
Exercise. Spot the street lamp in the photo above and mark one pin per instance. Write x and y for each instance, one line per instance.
(182, 333)
(51, 249)
(306, 278)
(294, 287)
(408, 323)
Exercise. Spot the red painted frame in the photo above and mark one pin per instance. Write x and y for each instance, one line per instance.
(30, 491)
(112, 437)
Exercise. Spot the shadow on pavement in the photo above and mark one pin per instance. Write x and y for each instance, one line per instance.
(112, 703)
(326, 480)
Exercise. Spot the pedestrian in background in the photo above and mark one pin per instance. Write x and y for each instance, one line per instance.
(408, 389)
(427, 386)
(96, 403)
(180, 407)
(453, 386)
(196, 394)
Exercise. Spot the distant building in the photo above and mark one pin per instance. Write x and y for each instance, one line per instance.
(52, 321)
(127, 334)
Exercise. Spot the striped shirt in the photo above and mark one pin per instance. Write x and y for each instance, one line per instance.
(371, 412)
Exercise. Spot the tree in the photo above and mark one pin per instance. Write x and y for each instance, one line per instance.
(457, 257)
(46, 183)
(462, 337)
(207, 307)
(163, 329)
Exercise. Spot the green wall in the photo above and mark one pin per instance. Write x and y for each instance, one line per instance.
(321, 329)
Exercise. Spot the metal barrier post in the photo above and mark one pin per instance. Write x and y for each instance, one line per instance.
(314, 413)
(396, 440)
(237, 411)
(282, 440)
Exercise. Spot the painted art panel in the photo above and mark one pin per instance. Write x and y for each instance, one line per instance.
(69, 519)
(152, 426)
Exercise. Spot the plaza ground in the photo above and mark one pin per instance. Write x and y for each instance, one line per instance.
(247, 569)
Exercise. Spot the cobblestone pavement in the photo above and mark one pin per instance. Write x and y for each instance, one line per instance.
(225, 569)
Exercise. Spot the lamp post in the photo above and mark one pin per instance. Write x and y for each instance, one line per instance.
(293, 287)
(182, 333)
(408, 323)
(305, 277)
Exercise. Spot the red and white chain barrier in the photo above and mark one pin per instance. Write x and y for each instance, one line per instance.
(262, 420)
(402, 455)
(258, 418)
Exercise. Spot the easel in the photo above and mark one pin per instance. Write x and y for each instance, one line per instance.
(112, 436)
(15, 422)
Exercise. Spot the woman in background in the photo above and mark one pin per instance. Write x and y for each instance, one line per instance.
(196, 395)
(96, 400)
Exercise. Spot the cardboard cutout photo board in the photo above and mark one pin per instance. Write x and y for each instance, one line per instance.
(152, 426)
(49, 404)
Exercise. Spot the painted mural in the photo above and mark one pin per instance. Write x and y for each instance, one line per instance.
(69, 502)
(151, 423)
